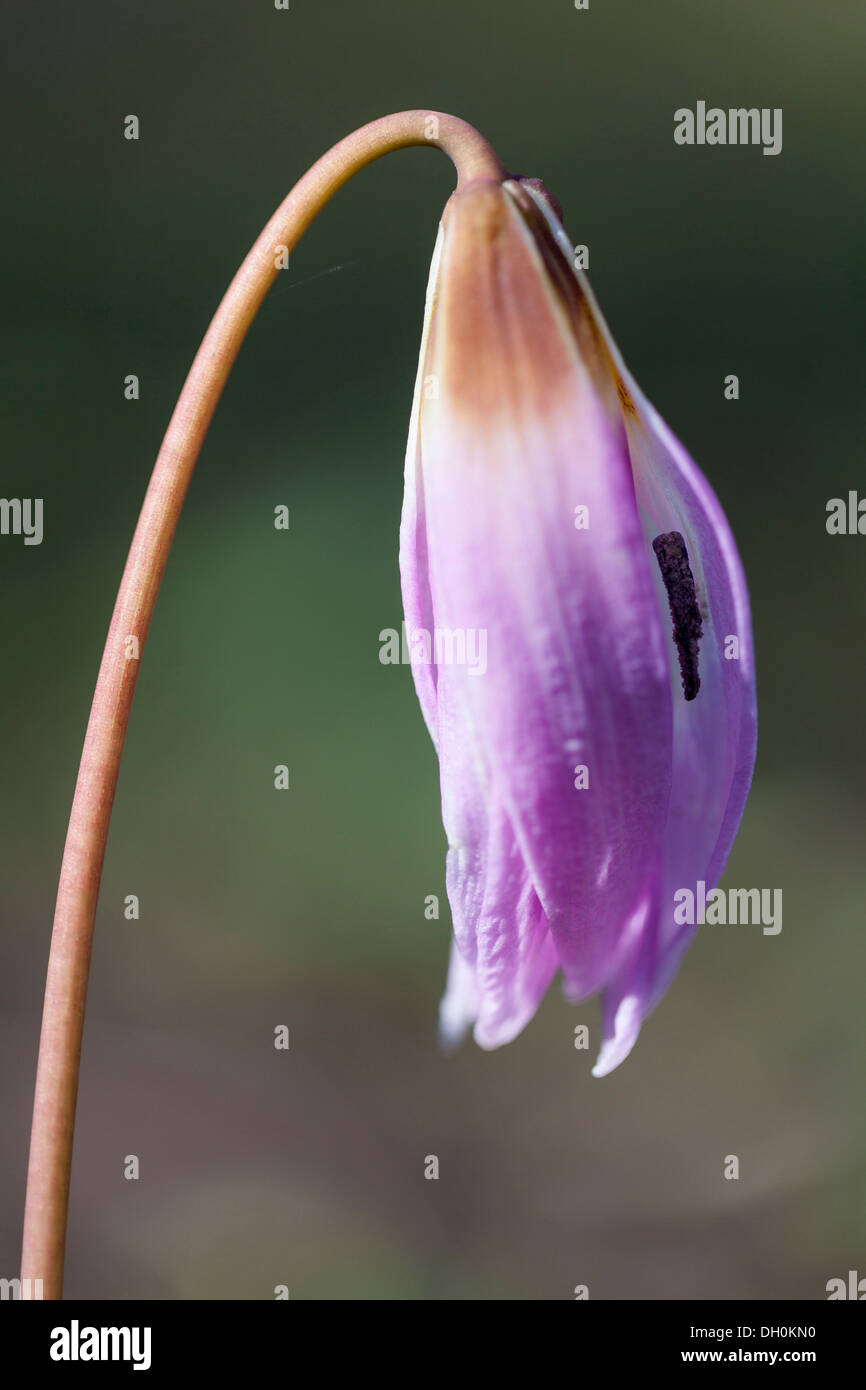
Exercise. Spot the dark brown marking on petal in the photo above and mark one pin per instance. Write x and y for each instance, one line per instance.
(569, 296)
(625, 399)
(673, 557)
(587, 333)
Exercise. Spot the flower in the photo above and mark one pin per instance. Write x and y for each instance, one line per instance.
(602, 758)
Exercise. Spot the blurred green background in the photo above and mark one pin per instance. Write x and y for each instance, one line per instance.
(307, 907)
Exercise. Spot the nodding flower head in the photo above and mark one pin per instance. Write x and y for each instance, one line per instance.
(602, 758)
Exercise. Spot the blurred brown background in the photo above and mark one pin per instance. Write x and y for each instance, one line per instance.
(307, 908)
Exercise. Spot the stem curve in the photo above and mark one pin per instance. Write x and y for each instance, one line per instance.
(48, 1178)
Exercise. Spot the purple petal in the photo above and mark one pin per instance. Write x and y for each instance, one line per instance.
(526, 428)
(414, 560)
(715, 734)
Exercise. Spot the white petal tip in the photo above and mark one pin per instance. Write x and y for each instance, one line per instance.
(626, 1027)
(453, 1027)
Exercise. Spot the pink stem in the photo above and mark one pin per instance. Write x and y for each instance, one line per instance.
(69, 961)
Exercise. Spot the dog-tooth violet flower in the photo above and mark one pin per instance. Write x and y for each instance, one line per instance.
(602, 758)
(598, 751)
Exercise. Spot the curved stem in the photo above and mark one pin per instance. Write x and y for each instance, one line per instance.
(69, 960)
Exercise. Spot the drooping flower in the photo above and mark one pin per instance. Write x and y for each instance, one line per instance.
(600, 756)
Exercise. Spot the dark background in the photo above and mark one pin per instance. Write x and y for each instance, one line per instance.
(307, 907)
